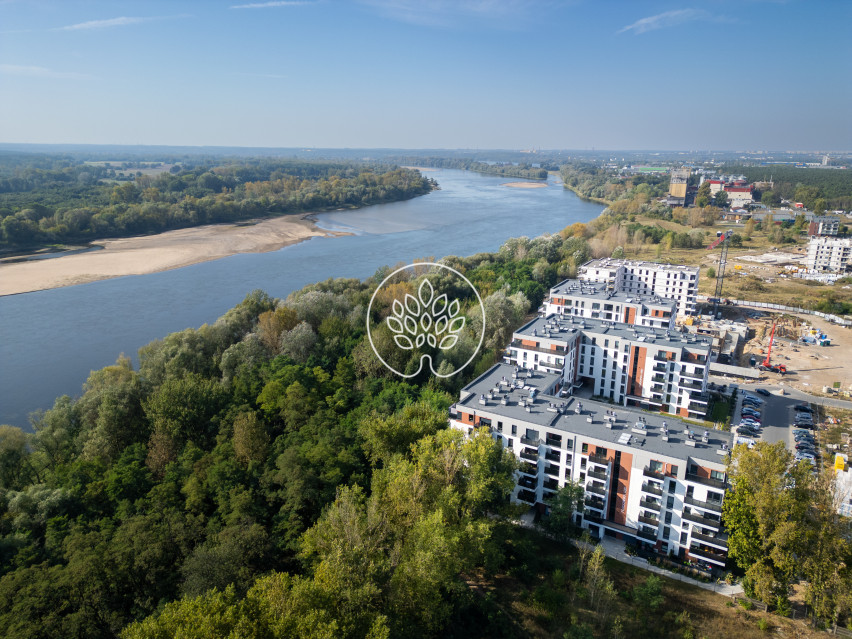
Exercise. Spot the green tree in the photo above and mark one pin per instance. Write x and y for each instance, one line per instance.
(720, 199)
(765, 513)
(568, 500)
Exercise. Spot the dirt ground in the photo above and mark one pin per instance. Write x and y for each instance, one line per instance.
(809, 367)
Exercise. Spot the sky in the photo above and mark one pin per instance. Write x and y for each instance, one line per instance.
(484, 74)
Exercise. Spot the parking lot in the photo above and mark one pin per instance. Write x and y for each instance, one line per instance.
(777, 414)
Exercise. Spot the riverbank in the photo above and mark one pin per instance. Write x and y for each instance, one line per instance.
(596, 200)
(155, 253)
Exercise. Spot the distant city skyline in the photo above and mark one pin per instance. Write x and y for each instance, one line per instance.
(493, 74)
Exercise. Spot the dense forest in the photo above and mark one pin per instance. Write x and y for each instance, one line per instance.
(806, 185)
(57, 199)
(506, 169)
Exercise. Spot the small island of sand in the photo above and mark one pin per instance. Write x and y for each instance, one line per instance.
(526, 185)
(154, 253)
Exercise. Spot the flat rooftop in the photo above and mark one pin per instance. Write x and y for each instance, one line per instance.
(599, 291)
(608, 262)
(563, 325)
(560, 414)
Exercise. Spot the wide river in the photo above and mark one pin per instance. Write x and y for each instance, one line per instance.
(51, 340)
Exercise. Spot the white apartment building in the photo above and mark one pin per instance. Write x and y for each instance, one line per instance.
(829, 254)
(648, 478)
(672, 281)
(597, 301)
(658, 369)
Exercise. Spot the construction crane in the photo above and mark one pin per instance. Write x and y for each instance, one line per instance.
(723, 260)
(767, 365)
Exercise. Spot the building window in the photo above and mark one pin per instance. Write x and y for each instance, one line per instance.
(514, 429)
(499, 427)
(656, 466)
(683, 537)
(670, 502)
(585, 448)
(672, 486)
(673, 471)
(668, 519)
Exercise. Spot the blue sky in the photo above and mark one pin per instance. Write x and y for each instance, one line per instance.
(574, 74)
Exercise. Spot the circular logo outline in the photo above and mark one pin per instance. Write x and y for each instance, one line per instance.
(425, 356)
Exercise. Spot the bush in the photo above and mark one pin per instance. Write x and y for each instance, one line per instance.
(746, 604)
(730, 579)
(711, 272)
(783, 607)
(763, 625)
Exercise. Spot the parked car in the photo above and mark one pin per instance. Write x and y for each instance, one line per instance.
(801, 431)
(804, 407)
(762, 391)
(805, 446)
(805, 455)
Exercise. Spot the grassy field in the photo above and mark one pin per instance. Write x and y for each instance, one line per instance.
(538, 595)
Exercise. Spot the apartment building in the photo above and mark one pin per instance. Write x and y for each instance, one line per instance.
(672, 281)
(829, 254)
(653, 368)
(649, 478)
(597, 301)
(824, 225)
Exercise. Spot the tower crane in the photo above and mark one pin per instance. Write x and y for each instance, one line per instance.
(722, 240)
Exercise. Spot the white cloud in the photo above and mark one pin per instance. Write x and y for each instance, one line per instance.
(267, 5)
(103, 24)
(667, 19)
(40, 72)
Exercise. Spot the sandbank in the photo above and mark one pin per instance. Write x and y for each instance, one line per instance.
(526, 185)
(154, 253)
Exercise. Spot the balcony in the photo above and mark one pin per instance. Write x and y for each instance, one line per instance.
(599, 459)
(707, 481)
(648, 487)
(651, 521)
(553, 455)
(715, 506)
(527, 482)
(704, 521)
(527, 496)
(659, 368)
(660, 358)
(551, 484)
(650, 505)
(719, 540)
(596, 488)
(529, 469)
(701, 409)
(529, 454)
(691, 385)
(594, 502)
(596, 475)
(698, 376)
(530, 442)
(553, 442)
(656, 474)
(658, 378)
(593, 518)
(551, 470)
(649, 535)
(709, 556)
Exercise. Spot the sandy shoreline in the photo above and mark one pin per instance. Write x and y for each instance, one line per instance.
(526, 185)
(154, 253)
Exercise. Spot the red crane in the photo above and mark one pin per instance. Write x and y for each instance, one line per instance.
(767, 365)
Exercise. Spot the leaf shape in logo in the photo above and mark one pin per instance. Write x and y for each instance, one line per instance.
(457, 324)
(403, 342)
(430, 339)
(453, 309)
(448, 342)
(410, 325)
(439, 305)
(441, 325)
(394, 324)
(420, 339)
(398, 308)
(425, 293)
(425, 322)
(412, 304)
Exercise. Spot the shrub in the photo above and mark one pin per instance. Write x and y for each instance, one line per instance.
(730, 579)
(763, 625)
(783, 607)
(746, 604)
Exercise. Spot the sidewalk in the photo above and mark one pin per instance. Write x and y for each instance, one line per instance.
(615, 550)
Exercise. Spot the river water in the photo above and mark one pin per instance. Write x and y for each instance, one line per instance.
(51, 340)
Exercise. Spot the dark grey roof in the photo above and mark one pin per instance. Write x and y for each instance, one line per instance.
(618, 330)
(598, 291)
(571, 422)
